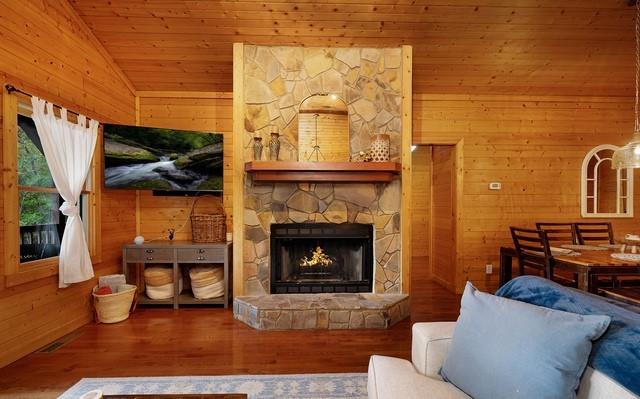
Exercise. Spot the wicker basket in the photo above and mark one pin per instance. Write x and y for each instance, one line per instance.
(112, 308)
(204, 276)
(156, 276)
(208, 227)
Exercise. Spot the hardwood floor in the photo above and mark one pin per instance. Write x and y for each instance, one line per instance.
(208, 341)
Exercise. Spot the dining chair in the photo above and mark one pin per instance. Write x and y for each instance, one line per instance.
(561, 233)
(594, 233)
(597, 233)
(558, 234)
(533, 251)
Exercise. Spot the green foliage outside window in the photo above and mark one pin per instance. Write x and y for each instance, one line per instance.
(36, 208)
(33, 170)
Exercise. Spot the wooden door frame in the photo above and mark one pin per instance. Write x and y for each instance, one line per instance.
(458, 166)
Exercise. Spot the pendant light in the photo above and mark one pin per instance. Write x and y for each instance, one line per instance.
(629, 155)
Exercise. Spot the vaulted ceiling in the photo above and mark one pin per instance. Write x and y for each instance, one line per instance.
(543, 47)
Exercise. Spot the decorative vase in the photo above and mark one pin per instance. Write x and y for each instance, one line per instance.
(380, 148)
(257, 148)
(274, 146)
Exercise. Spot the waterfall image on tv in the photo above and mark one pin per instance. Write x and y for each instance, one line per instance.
(147, 158)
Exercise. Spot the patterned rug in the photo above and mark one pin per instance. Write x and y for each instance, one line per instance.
(283, 386)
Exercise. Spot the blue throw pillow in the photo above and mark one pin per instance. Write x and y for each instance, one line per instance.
(506, 349)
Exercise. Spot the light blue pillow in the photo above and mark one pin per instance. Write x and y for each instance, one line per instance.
(506, 349)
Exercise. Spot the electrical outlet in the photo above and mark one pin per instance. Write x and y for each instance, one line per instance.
(488, 268)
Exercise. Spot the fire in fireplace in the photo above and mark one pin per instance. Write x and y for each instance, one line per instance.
(321, 257)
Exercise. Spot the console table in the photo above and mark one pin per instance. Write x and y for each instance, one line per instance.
(177, 253)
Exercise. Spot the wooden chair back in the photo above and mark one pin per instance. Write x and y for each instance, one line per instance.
(533, 250)
(562, 233)
(594, 232)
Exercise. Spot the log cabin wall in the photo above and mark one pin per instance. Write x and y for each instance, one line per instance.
(48, 51)
(537, 47)
(534, 146)
(198, 111)
(468, 49)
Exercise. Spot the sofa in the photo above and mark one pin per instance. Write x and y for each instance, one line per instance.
(392, 378)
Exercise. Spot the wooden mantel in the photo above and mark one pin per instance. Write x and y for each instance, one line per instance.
(322, 171)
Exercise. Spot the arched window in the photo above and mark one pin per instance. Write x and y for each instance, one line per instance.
(606, 192)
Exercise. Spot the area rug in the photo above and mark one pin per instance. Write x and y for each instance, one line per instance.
(282, 386)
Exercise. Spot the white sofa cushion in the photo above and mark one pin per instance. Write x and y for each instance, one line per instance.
(390, 377)
(596, 385)
(430, 343)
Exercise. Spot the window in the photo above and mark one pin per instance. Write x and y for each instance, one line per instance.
(33, 222)
(606, 192)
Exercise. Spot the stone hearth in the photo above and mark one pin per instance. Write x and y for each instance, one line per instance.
(321, 311)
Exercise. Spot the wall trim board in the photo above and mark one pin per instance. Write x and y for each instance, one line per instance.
(458, 210)
(10, 215)
(138, 219)
(406, 142)
(238, 169)
(520, 97)
(183, 94)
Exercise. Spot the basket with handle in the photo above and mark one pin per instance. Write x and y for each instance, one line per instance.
(115, 307)
(208, 227)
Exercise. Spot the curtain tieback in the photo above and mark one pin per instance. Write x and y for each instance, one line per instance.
(69, 209)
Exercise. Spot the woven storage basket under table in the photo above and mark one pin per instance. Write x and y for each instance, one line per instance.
(112, 308)
(156, 276)
(207, 227)
(207, 282)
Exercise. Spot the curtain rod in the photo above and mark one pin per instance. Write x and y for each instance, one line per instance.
(12, 88)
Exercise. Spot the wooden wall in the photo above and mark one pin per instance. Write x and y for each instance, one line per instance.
(534, 146)
(45, 49)
(200, 111)
(462, 50)
(460, 46)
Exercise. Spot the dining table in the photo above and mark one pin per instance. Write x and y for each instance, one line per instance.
(588, 264)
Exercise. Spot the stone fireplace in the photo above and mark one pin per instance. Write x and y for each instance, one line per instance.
(276, 81)
(374, 205)
(321, 258)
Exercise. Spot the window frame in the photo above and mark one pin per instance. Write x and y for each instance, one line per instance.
(15, 272)
(586, 196)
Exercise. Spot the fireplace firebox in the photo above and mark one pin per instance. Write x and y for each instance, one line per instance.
(321, 257)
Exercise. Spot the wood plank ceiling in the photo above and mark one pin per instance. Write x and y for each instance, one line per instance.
(538, 47)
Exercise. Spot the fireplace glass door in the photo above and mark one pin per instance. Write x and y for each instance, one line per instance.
(321, 258)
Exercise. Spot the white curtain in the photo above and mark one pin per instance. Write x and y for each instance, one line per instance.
(68, 149)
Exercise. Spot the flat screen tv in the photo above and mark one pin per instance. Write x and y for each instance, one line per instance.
(168, 160)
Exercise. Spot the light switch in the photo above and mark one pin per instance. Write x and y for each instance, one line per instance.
(495, 186)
